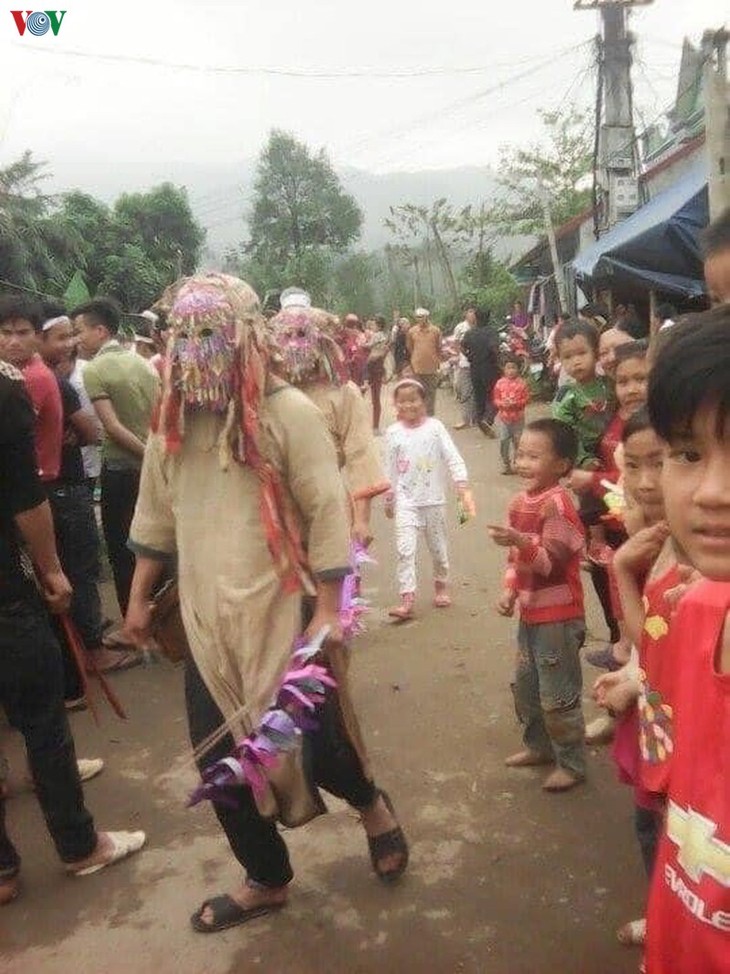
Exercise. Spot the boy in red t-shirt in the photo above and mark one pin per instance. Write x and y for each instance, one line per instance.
(688, 929)
(510, 397)
(545, 538)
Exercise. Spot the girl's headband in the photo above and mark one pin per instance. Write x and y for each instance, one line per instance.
(408, 382)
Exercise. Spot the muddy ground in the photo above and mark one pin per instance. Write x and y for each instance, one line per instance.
(505, 879)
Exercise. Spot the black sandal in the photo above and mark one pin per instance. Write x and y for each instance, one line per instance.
(387, 844)
(227, 913)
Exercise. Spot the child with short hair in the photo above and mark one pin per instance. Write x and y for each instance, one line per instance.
(688, 930)
(646, 572)
(510, 397)
(545, 539)
(585, 405)
(420, 453)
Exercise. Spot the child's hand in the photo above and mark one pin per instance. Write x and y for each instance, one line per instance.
(506, 604)
(580, 480)
(615, 691)
(507, 537)
(642, 549)
(605, 683)
(466, 499)
(688, 577)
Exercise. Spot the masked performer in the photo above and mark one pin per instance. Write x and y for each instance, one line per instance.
(239, 479)
(305, 353)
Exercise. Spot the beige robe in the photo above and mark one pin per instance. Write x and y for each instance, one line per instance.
(239, 623)
(348, 421)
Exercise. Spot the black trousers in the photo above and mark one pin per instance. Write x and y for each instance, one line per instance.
(77, 538)
(119, 489)
(483, 384)
(31, 691)
(648, 824)
(332, 761)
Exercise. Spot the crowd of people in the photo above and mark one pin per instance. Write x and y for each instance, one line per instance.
(237, 457)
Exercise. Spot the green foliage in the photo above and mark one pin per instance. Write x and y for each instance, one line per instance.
(560, 165)
(33, 244)
(354, 283)
(301, 216)
(490, 285)
(131, 251)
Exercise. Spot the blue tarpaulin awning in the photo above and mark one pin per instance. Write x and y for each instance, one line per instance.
(658, 246)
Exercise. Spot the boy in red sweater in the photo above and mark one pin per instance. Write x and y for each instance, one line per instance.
(688, 924)
(545, 539)
(510, 397)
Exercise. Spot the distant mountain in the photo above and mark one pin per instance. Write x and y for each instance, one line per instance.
(220, 193)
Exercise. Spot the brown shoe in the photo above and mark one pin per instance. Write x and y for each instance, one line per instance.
(561, 780)
(528, 759)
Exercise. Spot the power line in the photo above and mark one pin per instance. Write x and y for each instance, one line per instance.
(462, 102)
(253, 71)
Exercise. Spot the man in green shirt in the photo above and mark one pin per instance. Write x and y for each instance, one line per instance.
(124, 390)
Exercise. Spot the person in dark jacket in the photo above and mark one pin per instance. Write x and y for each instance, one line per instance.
(482, 352)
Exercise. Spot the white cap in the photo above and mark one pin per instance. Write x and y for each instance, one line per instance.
(294, 297)
(52, 322)
(422, 313)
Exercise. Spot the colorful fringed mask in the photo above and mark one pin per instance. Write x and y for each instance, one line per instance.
(303, 347)
(217, 360)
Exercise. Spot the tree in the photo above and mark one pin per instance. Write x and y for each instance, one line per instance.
(301, 216)
(557, 167)
(33, 244)
(354, 278)
(489, 284)
(132, 250)
(161, 223)
(417, 228)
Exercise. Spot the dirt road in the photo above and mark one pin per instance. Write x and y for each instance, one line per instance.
(505, 879)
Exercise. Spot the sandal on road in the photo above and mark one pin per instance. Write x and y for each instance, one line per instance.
(391, 843)
(118, 660)
(123, 844)
(227, 913)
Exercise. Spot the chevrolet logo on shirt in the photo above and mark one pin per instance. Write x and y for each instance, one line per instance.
(700, 853)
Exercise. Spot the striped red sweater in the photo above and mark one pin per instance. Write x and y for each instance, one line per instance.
(546, 573)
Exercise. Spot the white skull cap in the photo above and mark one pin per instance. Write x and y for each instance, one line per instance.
(294, 297)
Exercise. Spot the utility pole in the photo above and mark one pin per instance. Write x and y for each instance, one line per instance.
(717, 119)
(616, 178)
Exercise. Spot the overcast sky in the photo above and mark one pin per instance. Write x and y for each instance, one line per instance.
(120, 112)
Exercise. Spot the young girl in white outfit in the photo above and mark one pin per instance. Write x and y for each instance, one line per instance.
(420, 453)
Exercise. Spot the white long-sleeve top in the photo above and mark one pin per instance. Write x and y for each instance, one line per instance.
(418, 460)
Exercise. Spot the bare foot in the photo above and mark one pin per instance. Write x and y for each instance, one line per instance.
(561, 780)
(528, 759)
(248, 898)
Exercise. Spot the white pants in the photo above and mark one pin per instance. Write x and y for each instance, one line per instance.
(408, 522)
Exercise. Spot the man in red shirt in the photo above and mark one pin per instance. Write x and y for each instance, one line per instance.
(20, 326)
